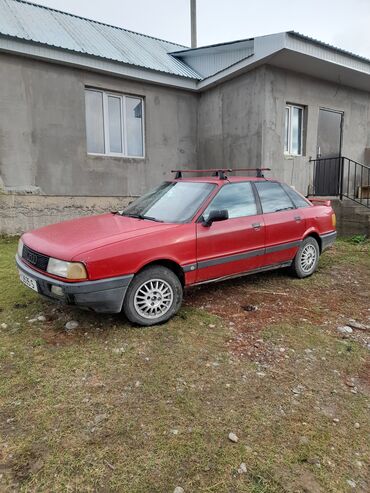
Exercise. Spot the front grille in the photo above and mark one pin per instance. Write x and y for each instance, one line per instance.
(36, 259)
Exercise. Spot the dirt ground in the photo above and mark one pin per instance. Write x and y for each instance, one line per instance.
(108, 407)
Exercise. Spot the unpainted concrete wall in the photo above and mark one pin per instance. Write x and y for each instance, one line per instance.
(43, 136)
(281, 87)
(242, 121)
(20, 213)
(230, 123)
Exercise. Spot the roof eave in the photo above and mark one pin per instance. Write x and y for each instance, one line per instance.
(89, 62)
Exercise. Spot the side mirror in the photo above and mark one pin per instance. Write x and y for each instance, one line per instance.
(217, 215)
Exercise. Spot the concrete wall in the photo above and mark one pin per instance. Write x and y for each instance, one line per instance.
(242, 121)
(19, 213)
(282, 86)
(43, 136)
(239, 123)
(230, 123)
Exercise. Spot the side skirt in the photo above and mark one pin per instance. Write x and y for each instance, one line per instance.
(242, 274)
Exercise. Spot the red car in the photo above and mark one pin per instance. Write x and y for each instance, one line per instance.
(185, 232)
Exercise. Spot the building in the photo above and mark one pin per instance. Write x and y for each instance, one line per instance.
(91, 115)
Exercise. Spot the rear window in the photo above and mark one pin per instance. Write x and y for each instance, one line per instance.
(273, 197)
(296, 197)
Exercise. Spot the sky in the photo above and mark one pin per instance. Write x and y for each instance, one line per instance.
(343, 23)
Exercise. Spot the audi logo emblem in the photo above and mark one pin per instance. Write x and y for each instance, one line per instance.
(32, 258)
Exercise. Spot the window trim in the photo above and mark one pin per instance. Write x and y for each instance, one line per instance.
(122, 97)
(290, 107)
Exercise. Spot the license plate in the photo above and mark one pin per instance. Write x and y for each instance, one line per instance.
(28, 281)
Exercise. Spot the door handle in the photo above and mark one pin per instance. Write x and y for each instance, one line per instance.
(298, 219)
(256, 226)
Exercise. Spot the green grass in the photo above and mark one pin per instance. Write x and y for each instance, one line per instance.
(114, 408)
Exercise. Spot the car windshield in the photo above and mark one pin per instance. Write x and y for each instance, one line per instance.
(171, 202)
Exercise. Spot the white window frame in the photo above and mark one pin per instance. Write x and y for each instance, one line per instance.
(123, 98)
(290, 107)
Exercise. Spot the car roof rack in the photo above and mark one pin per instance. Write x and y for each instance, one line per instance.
(220, 172)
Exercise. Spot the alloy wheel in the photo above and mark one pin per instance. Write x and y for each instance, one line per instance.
(153, 298)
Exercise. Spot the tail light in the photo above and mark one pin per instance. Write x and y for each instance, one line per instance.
(334, 220)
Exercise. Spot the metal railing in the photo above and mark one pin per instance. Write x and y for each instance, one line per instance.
(342, 177)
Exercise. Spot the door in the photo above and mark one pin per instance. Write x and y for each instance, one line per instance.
(329, 143)
(235, 245)
(285, 224)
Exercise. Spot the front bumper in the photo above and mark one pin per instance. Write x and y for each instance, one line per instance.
(102, 296)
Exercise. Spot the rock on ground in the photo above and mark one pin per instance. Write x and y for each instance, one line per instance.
(345, 329)
(71, 325)
(233, 437)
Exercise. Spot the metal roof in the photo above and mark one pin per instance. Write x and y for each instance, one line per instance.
(48, 34)
(38, 24)
(328, 45)
(209, 60)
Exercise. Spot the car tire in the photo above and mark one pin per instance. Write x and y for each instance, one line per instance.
(307, 258)
(153, 296)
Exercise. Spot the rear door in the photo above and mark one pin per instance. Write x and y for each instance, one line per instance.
(285, 224)
(235, 245)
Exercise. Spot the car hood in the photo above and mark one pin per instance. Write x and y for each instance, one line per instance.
(67, 239)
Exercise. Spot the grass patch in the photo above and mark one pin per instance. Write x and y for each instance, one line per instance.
(110, 407)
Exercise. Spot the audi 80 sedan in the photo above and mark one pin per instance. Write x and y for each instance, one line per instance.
(185, 232)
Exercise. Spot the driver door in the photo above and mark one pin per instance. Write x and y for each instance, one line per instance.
(235, 245)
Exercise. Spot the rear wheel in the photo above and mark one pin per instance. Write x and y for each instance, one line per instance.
(153, 297)
(307, 258)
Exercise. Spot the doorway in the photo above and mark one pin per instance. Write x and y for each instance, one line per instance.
(329, 147)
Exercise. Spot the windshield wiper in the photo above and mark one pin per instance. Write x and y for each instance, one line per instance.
(142, 216)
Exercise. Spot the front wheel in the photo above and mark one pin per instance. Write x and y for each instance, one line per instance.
(307, 258)
(153, 297)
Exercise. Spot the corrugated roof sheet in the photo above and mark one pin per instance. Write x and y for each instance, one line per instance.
(328, 45)
(209, 60)
(39, 24)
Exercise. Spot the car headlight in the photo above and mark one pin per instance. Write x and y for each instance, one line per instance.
(69, 270)
(20, 248)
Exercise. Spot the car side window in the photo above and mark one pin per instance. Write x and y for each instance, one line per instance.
(296, 197)
(237, 198)
(273, 197)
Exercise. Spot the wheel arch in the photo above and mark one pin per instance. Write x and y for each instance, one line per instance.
(314, 234)
(170, 264)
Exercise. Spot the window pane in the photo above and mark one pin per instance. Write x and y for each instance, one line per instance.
(297, 198)
(296, 122)
(273, 198)
(94, 122)
(115, 124)
(237, 199)
(134, 127)
(286, 141)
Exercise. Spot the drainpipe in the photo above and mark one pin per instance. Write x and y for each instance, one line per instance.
(193, 18)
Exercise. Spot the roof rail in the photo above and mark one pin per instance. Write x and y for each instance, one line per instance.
(220, 172)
